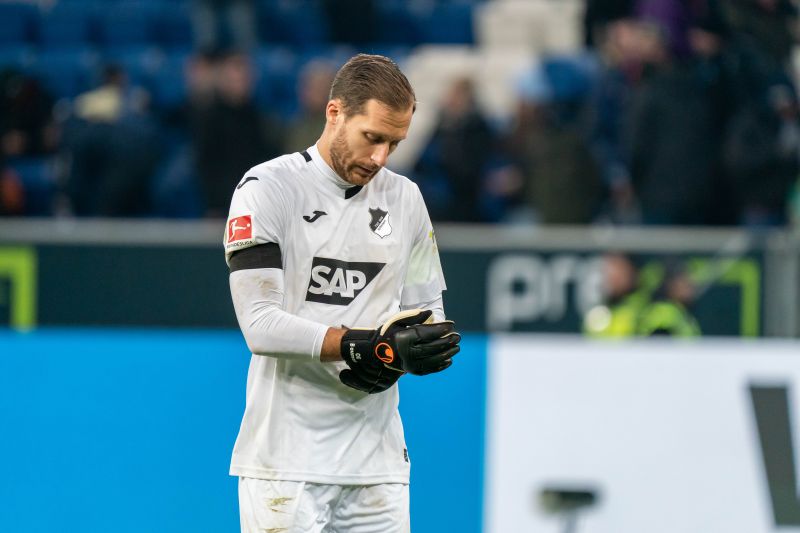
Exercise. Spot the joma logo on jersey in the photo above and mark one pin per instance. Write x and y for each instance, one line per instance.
(339, 282)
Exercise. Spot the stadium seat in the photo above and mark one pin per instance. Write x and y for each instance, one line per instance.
(18, 56)
(447, 23)
(67, 24)
(297, 23)
(173, 25)
(167, 84)
(397, 25)
(67, 72)
(16, 19)
(277, 69)
(126, 23)
(539, 25)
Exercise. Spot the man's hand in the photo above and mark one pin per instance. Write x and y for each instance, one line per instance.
(407, 342)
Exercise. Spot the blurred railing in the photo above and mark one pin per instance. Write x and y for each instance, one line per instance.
(500, 278)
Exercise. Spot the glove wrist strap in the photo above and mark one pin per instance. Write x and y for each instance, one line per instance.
(356, 344)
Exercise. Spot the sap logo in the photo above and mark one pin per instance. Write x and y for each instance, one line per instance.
(339, 282)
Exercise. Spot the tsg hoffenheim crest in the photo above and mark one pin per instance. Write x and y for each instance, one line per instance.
(380, 222)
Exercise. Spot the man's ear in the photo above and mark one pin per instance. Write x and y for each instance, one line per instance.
(334, 111)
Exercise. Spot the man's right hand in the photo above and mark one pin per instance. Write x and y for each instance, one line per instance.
(407, 342)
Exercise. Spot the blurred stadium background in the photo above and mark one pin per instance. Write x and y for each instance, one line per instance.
(614, 186)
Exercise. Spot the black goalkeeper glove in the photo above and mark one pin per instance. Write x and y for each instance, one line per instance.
(407, 342)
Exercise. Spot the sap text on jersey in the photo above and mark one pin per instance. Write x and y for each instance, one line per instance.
(338, 282)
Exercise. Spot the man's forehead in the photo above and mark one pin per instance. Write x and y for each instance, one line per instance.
(379, 117)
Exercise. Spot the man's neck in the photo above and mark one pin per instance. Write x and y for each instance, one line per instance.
(324, 147)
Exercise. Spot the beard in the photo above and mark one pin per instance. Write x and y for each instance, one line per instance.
(344, 164)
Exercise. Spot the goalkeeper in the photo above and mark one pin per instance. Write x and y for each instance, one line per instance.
(337, 286)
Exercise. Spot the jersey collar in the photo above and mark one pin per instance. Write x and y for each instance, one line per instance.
(330, 179)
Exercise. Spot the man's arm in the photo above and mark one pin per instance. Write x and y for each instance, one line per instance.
(331, 346)
(257, 295)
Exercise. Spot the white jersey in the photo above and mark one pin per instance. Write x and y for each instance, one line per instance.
(350, 257)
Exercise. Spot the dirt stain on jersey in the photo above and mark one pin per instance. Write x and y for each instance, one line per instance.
(276, 529)
(274, 503)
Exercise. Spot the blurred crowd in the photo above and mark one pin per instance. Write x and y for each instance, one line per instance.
(679, 112)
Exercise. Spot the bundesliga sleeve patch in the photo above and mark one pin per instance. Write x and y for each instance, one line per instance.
(239, 232)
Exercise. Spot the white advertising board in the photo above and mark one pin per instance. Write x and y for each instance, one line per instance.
(668, 435)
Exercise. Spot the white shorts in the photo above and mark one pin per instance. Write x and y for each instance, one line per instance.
(300, 507)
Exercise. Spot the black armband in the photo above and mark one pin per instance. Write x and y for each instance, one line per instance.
(260, 256)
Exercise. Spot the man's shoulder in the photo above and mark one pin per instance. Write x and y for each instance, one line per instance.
(398, 188)
(391, 180)
(270, 182)
(276, 175)
(280, 168)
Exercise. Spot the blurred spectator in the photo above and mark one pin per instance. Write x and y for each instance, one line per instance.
(176, 188)
(674, 146)
(28, 134)
(114, 149)
(761, 157)
(224, 24)
(457, 155)
(230, 134)
(725, 85)
(201, 79)
(624, 300)
(599, 14)
(27, 127)
(670, 312)
(12, 194)
(608, 124)
(652, 301)
(770, 25)
(561, 180)
(351, 21)
(670, 18)
(313, 90)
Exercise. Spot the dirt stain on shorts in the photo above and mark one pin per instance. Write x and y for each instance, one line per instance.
(274, 503)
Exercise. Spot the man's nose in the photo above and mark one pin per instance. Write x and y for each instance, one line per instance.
(381, 154)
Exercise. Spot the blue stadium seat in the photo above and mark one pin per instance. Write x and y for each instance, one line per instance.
(449, 23)
(398, 25)
(16, 20)
(173, 25)
(298, 23)
(277, 69)
(17, 56)
(167, 84)
(67, 72)
(66, 24)
(126, 23)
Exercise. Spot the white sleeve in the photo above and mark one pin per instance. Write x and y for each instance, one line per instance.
(253, 237)
(437, 306)
(268, 329)
(424, 280)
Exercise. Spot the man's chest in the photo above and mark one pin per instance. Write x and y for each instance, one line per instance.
(366, 227)
(335, 249)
